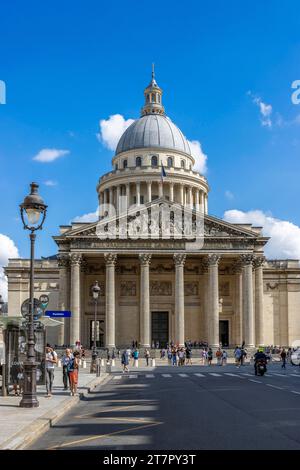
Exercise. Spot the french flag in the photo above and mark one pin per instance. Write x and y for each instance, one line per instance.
(162, 173)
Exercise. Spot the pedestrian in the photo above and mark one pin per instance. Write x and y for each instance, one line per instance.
(283, 358)
(147, 356)
(135, 358)
(237, 356)
(73, 367)
(125, 361)
(209, 356)
(174, 356)
(204, 356)
(224, 358)
(219, 356)
(17, 376)
(188, 354)
(65, 361)
(50, 361)
(181, 357)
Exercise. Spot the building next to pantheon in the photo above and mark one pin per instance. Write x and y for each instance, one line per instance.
(154, 289)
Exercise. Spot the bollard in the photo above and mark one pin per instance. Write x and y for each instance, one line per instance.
(84, 364)
(136, 363)
(102, 362)
(59, 363)
(80, 362)
(153, 362)
(98, 368)
(113, 363)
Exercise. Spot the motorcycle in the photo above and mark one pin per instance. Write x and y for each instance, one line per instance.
(261, 367)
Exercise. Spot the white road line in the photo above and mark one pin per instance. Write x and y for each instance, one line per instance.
(166, 375)
(274, 386)
(133, 376)
(149, 376)
(215, 375)
(280, 375)
(294, 391)
(248, 375)
(182, 375)
(295, 375)
(117, 377)
(200, 375)
(255, 381)
(233, 375)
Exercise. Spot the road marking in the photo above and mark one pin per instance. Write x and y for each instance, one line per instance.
(215, 375)
(92, 438)
(294, 391)
(117, 377)
(248, 375)
(255, 381)
(233, 375)
(182, 375)
(149, 376)
(274, 386)
(200, 375)
(166, 375)
(295, 375)
(133, 376)
(280, 375)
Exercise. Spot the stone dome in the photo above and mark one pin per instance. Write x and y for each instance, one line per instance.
(151, 131)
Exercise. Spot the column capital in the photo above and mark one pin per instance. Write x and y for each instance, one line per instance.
(75, 259)
(145, 259)
(259, 261)
(179, 259)
(213, 259)
(110, 259)
(63, 260)
(237, 267)
(247, 260)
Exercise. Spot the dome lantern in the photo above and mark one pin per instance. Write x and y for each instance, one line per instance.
(153, 98)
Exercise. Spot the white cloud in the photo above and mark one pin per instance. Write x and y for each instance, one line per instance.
(49, 155)
(264, 108)
(229, 194)
(90, 217)
(50, 183)
(7, 250)
(199, 155)
(285, 236)
(111, 130)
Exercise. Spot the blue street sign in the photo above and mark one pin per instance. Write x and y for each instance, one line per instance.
(58, 313)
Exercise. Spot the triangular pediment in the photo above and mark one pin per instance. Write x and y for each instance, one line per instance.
(212, 227)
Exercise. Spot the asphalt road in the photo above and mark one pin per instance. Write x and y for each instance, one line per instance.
(174, 408)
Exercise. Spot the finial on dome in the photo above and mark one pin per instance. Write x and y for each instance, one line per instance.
(153, 97)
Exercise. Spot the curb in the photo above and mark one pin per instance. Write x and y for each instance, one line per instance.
(22, 439)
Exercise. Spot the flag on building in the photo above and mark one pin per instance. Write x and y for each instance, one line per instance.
(162, 173)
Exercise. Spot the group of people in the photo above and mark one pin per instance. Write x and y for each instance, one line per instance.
(70, 367)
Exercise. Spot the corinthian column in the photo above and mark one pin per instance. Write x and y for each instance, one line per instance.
(259, 300)
(145, 301)
(63, 298)
(110, 328)
(213, 300)
(75, 298)
(179, 260)
(248, 312)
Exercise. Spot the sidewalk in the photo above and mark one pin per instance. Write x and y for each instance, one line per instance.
(20, 426)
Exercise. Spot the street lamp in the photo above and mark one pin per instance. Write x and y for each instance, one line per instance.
(33, 213)
(96, 291)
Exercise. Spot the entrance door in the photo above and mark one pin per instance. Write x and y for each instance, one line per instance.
(224, 332)
(99, 333)
(160, 329)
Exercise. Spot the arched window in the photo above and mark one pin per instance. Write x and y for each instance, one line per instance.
(138, 161)
(154, 161)
(182, 164)
(170, 162)
(124, 164)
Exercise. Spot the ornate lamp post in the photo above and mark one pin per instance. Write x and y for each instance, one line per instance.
(33, 213)
(96, 291)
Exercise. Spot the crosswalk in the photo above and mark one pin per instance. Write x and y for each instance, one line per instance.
(242, 375)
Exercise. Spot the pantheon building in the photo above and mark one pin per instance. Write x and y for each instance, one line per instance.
(161, 287)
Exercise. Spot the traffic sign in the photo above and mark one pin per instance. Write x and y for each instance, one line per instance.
(58, 313)
(37, 308)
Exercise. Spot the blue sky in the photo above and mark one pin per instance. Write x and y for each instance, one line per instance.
(67, 65)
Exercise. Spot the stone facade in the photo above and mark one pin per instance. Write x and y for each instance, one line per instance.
(159, 287)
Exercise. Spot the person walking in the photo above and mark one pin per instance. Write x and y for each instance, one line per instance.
(50, 361)
(73, 368)
(65, 361)
(174, 355)
(147, 356)
(283, 358)
(125, 361)
(135, 358)
(188, 354)
(237, 356)
(209, 356)
(224, 358)
(219, 356)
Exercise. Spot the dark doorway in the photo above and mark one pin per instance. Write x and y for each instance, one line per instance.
(99, 333)
(224, 332)
(160, 329)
